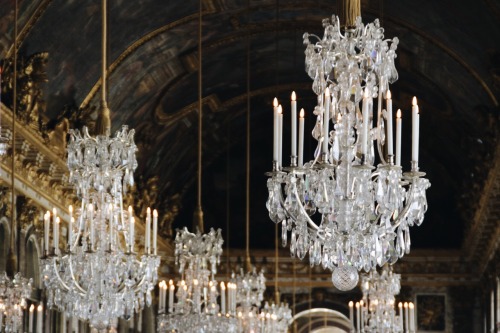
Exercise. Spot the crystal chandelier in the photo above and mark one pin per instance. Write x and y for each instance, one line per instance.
(99, 275)
(13, 294)
(376, 312)
(193, 307)
(349, 207)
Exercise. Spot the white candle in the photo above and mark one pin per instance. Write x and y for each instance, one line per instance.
(280, 136)
(148, 231)
(351, 312)
(160, 296)
(47, 228)
(275, 130)
(406, 316)
(63, 322)
(326, 120)
(414, 130)
(74, 324)
(39, 319)
(155, 231)
(301, 138)
(171, 296)
(399, 125)
(55, 228)
(222, 298)
(30, 324)
(400, 306)
(57, 222)
(294, 124)
(364, 135)
(358, 315)
(389, 124)
(412, 317)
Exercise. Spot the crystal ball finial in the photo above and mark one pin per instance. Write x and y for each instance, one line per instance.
(345, 277)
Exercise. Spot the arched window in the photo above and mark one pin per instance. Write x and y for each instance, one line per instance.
(4, 242)
(32, 268)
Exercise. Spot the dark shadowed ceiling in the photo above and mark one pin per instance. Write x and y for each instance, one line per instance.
(448, 57)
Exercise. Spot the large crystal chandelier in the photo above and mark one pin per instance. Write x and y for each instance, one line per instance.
(193, 304)
(351, 206)
(376, 312)
(99, 275)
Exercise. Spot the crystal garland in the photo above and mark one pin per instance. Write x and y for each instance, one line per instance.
(194, 307)
(13, 295)
(365, 210)
(376, 313)
(99, 276)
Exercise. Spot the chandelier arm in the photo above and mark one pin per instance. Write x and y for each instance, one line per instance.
(62, 282)
(398, 221)
(303, 210)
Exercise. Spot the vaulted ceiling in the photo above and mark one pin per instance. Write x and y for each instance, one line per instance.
(448, 57)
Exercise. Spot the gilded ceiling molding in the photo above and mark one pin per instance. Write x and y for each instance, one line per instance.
(131, 49)
(212, 101)
(30, 23)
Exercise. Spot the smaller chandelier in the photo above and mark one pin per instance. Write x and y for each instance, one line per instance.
(351, 206)
(252, 316)
(375, 312)
(4, 141)
(194, 306)
(99, 276)
(13, 295)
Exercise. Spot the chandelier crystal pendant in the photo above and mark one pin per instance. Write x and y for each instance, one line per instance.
(350, 207)
(13, 294)
(376, 312)
(193, 305)
(100, 275)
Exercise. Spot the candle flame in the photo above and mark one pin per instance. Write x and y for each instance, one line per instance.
(405, 305)
(327, 92)
(70, 208)
(398, 114)
(411, 305)
(294, 97)
(40, 308)
(54, 210)
(130, 209)
(222, 286)
(280, 109)
(357, 305)
(414, 101)
(275, 102)
(58, 220)
(32, 307)
(302, 113)
(148, 211)
(389, 96)
(400, 305)
(155, 213)
(351, 304)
